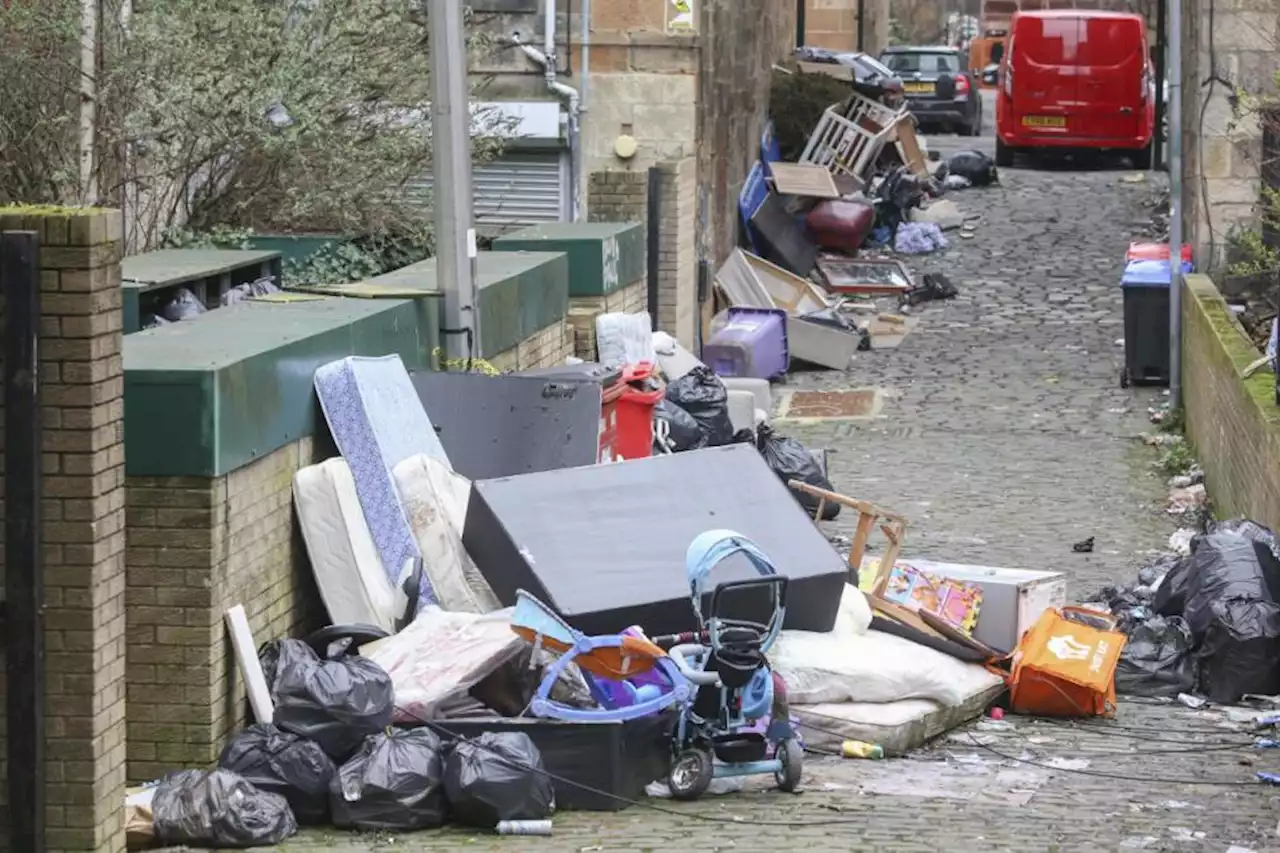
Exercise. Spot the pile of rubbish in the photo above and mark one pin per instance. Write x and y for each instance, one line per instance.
(611, 547)
(333, 757)
(1205, 621)
(824, 237)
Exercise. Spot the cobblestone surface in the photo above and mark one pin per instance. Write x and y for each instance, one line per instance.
(1005, 437)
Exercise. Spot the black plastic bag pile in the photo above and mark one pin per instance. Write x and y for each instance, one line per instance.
(790, 460)
(218, 809)
(394, 783)
(898, 193)
(1226, 593)
(701, 395)
(335, 702)
(283, 763)
(974, 166)
(495, 777)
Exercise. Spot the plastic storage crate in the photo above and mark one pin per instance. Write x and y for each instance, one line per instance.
(751, 344)
(1146, 322)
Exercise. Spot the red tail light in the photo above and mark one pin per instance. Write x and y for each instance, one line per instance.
(962, 85)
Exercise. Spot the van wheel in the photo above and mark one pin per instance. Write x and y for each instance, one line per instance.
(1004, 155)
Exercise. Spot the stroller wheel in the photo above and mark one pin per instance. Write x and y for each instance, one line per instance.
(690, 774)
(791, 754)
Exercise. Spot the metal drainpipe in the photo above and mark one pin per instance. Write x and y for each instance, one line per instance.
(1175, 199)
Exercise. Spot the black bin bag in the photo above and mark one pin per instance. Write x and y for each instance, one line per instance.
(336, 703)
(1158, 660)
(394, 783)
(218, 809)
(701, 393)
(1232, 614)
(790, 460)
(683, 432)
(283, 763)
(495, 777)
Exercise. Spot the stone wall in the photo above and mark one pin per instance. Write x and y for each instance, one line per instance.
(82, 531)
(197, 547)
(547, 347)
(1228, 47)
(1234, 424)
(833, 24)
(740, 43)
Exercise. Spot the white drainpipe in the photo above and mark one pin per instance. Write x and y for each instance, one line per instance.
(547, 59)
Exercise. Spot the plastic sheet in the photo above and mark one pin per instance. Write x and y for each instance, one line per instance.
(393, 784)
(1158, 659)
(219, 809)
(335, 703)
(625, 339)
(498, 776)
(701, 393)
(283, 763)
(440, 656)
(789, 459)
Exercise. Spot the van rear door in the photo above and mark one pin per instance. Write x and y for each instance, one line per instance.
(1113, 63)
(1045, 82)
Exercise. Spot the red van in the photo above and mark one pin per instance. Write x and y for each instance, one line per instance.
(1074, 79)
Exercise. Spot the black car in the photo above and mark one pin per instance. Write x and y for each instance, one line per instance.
(870, 78)
(938, 86)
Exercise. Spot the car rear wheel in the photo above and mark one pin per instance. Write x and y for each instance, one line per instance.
(1143, 157)
(1004, 155)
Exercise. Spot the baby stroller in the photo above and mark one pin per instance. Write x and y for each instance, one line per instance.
(734, 686)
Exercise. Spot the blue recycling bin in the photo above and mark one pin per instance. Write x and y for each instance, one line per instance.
(1146, 322)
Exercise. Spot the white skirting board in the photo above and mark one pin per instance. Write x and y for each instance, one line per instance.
(255, 681)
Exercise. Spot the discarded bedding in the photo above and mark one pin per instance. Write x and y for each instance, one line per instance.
(347, 569)
(435, 502)
(377, 422)
(854, 664)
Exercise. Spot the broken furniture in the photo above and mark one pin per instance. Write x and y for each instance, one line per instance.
(807, 180)
(747, 280)
(891, 616)
(604, 546)
(152, 279)
(849, 137)
(864, 276)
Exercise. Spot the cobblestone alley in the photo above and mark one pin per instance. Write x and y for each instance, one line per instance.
(1004, 436)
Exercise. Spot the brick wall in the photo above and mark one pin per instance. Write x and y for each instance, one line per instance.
(583, 311)
(82, 390)
(614, 195)
(677, 251)
(1222, 145)
(198, 546)
(1234, 424)
(546, 347)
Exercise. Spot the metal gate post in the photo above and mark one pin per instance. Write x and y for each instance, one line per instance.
(24, 570)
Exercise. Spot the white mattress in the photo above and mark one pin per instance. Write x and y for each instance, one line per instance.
(435, 502)
(344, 560)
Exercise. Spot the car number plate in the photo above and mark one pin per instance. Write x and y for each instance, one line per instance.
(1044, 121)
(918, 88)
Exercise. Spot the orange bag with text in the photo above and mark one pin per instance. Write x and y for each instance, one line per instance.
(1065, 666)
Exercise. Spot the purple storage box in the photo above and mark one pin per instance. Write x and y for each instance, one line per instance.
(752, 344)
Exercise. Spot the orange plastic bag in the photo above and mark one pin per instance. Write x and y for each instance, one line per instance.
(1066, 668)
